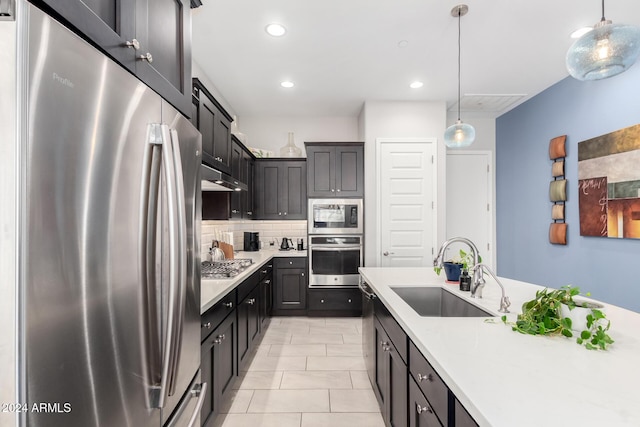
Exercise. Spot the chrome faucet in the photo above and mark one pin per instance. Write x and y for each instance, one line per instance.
(477, 286)
(477, 274)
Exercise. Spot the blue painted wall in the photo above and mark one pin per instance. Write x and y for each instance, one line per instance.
(608, 268)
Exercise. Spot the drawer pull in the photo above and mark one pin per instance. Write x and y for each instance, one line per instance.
(221, 337)
(228, 304)
(383, 343)
(427, 377)
(251, 301)
(387, 348)
(349, 300)
(321, 301)
(263, 271)
(421, 409)
(207, 325)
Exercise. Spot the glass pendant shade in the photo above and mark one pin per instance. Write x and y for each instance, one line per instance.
(605, 51)
(459, 135)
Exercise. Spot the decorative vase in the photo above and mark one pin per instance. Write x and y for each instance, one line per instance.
(452, 270)
(290, 150)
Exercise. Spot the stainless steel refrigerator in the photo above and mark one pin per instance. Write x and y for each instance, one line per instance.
(99, 225)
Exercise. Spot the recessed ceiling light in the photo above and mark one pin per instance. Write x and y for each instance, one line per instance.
(580, 32)
(403, 43)
(275, 30)
(416, 85)
(286, 84)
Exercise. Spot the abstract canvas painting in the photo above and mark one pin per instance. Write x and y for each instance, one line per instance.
(609, 184)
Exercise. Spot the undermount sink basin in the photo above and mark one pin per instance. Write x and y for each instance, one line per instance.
(436, 302)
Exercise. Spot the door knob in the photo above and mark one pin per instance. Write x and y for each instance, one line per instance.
(386, 253)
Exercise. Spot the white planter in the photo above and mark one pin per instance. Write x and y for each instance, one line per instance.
(579, 314)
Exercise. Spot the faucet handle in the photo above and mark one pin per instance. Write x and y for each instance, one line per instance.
(505, 302)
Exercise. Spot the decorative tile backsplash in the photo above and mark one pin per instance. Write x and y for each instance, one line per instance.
(270, 231)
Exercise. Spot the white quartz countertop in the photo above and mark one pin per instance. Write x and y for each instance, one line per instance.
(213, 290)
(507, 379)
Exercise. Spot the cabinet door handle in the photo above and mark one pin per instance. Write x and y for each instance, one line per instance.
(267, 282)
(387, 348)
(349, 300)
(263, 271)
(134, 44)
(427, 377)
(207, 325)
(302, 274)
(146, 57)
(221, 337)
(338, 190)
(251, 301)
(228, 304)
(383, 343)
(217, 341)
(333, 190)
(321, 301)
(421, 409)
(285, 214)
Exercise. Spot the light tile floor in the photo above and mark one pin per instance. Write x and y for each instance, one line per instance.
(307, 372)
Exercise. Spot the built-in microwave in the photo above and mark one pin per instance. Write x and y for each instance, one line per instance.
(335, 216)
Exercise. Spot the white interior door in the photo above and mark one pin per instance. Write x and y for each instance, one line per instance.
(469, 202)
(406, 211)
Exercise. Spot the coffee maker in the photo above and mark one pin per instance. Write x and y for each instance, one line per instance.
(251, 241)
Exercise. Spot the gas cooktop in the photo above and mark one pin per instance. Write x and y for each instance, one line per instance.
(224, 269)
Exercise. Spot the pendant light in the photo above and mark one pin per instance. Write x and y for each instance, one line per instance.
(605, 51)
(460, 134)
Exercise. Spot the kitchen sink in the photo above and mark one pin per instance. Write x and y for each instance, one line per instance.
(436, 302)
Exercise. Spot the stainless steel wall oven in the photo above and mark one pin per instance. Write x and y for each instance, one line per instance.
(334, 260)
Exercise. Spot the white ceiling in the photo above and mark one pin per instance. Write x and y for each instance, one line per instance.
(341, 53)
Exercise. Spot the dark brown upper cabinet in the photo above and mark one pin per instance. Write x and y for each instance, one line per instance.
(335, 169)
(152, 39)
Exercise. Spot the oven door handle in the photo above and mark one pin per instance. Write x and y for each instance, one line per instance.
(334, 248)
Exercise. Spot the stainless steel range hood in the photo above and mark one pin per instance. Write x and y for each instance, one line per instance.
(214, 180)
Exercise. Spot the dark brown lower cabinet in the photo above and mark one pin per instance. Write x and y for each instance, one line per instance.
(335, 302)
(219, 367)
(248, 326)
(391, 380)
(290, 292)
(421, 413)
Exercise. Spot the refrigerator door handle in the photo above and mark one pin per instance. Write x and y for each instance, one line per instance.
(147, 254)
(201, 394)
(169, 350)
(182, 257)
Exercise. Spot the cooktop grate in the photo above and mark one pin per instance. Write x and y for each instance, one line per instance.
(224, 269)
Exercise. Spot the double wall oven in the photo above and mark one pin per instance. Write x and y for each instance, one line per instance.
(335, 242)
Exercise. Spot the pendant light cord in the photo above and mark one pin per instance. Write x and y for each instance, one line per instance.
(603, 18)
(459, 62)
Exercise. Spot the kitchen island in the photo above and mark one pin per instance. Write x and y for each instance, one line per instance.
(506, 379)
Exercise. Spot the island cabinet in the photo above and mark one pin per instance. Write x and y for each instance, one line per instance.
(214, 123)
(280, 188)
(151, 39)
(290, 290)
(335, 169)
(218, 355)
(429, 396)
(390, 373)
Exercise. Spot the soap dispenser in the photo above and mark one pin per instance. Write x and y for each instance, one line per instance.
(465, 281)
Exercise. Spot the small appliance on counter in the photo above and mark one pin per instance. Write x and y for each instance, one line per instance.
(251, 241)
(286, 244)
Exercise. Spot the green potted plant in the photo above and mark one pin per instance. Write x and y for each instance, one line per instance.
(547, 314)
(455, 266)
